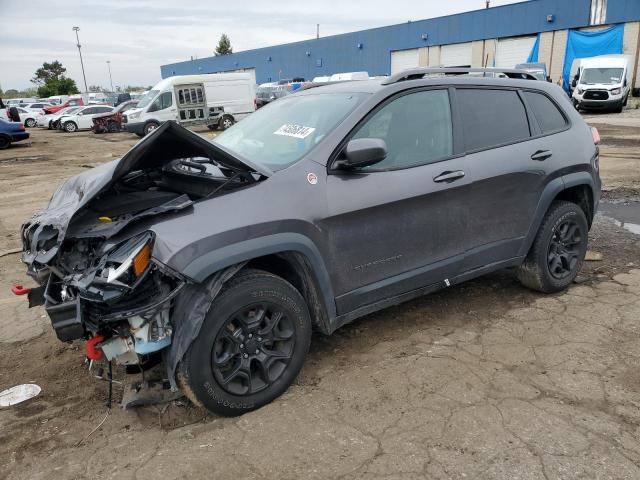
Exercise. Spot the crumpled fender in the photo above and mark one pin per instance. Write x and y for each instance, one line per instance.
(190, 309)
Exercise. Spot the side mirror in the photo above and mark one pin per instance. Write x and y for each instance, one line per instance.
(363, 152)
(625, 81)
(574, 83)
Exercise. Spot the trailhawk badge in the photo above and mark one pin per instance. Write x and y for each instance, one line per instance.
(312, 178)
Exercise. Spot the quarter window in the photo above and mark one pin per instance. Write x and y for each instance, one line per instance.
(416, 128)
(549, 118)
(492, 117)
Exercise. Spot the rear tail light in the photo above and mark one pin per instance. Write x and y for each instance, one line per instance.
(21, 127)
(595, 135)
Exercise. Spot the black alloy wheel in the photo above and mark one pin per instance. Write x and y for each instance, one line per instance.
(564, 249)
(253, 348)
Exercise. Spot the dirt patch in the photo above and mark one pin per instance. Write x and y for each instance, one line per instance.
(483, 380)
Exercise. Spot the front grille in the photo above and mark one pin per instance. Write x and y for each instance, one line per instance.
(596, 95)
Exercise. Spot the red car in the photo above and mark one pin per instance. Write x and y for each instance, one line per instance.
(71, 102)
(112, 121)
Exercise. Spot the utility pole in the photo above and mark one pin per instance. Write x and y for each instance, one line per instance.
(317, 30)
(76, 29)
(487, 3)
(110, 79)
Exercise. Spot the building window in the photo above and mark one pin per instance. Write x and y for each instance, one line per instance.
(598, 12)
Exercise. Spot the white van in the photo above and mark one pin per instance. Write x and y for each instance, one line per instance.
(601, 82)
(216, 100)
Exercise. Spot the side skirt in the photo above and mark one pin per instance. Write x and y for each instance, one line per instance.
(349, 317)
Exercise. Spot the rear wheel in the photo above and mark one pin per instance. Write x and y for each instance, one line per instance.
(4, 142)
(30, 122)
(226, 122)
(251, 345)
(150, 127)
(70, 127)
(558, 250)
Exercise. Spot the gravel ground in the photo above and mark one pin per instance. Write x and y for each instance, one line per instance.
(484, 380)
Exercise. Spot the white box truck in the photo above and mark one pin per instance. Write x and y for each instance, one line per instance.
(601, 82)
(217, 100)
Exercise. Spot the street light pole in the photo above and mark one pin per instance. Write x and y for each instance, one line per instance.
(76, 29)
(110, 79)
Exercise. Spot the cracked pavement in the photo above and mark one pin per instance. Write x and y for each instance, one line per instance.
(485, 380)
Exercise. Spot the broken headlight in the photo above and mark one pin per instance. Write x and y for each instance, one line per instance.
(128, 262)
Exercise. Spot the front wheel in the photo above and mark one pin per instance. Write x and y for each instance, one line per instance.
(557, 253)
(251, 345)
(30, 122)
(70, 127)
(150, 127)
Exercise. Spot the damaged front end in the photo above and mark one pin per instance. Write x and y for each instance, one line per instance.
(92, 249)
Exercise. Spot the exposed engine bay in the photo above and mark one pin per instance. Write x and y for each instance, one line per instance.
(92, 253)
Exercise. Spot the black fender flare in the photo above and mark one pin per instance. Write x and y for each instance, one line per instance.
(202, 267)
(550, 192)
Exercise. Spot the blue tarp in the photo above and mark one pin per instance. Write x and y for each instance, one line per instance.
(590, 44)
(533, 56)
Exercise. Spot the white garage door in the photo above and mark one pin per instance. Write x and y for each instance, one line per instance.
(404, 59)
(457, 55)
(512, 51)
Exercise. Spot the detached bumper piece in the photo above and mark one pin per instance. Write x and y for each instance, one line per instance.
(66, 316)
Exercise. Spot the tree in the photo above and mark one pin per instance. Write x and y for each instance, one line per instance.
(51, 80)
(224, 46)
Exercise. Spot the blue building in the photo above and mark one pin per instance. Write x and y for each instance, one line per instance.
(501, 36)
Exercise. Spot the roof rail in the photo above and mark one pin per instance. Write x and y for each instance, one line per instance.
(418, 73)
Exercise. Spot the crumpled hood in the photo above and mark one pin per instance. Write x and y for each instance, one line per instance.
(44, 232)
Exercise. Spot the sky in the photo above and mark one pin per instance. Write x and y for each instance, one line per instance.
(137, 36)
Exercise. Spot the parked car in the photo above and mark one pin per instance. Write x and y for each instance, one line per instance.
(112, 121)
(28, 117)
(538, 70)
(14, 102)
(11, 132)
(82, 119)
(602, 82)
(327, 205)
(51, 121)
(217, 100)
(267, 94)
(70, 102)
(38, 106)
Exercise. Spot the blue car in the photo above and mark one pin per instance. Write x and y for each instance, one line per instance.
(11, 132)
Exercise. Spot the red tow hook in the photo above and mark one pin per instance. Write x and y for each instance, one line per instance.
(20, 290)
(92, 352)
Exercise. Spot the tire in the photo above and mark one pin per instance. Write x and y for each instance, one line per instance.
(150, 127)
(226, 122)
(30, 122)
(70, 127)
(226, 389)
(626, 101)
(112, 127)
(555, 258)
(618, 109)
(4, 142)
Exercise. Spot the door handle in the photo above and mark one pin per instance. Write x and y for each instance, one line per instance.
(541, 155)
(449, 177)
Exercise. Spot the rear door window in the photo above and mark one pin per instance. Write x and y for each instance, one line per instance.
(549, 117)
(492, 117)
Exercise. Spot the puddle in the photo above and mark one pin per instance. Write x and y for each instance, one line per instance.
(623, 214)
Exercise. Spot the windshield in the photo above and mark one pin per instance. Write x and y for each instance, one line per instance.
(282, 132)
(147, 98)
(602, 75)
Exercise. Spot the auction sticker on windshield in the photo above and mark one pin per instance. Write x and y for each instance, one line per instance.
(292, 130)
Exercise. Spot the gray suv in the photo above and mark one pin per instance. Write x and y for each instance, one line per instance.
(220, 258)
